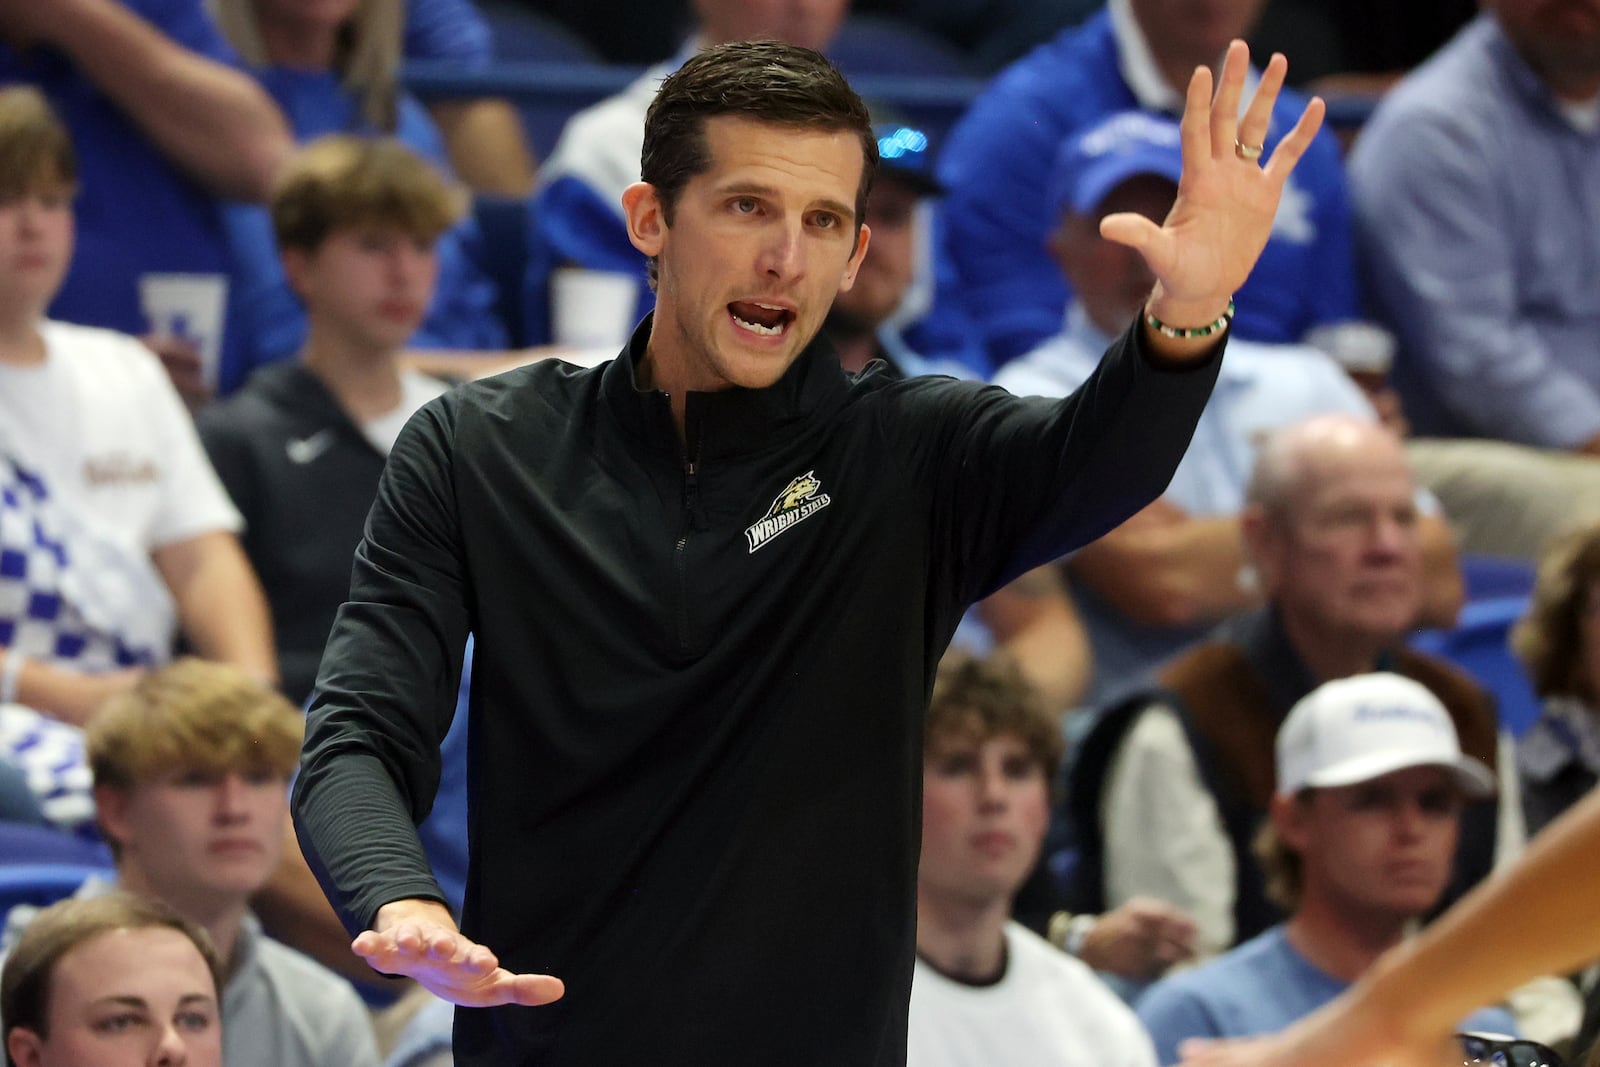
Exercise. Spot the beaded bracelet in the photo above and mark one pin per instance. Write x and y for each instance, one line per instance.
(1181, 332)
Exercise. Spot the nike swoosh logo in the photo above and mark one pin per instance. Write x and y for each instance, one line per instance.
(303, 450)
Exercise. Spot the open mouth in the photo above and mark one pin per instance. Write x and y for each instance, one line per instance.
(767, 320)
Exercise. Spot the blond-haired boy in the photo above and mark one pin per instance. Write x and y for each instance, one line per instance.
(114, 531)
(191, 772)
(300, 447)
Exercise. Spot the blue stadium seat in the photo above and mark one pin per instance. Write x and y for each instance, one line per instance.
(520, 33)
(526, 40)
(1492, 577)
(503, 221)
(40, 884)
(882, 44)
(25, 844)
(1478, 644)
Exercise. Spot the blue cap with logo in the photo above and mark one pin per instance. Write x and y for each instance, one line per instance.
(1096, 160)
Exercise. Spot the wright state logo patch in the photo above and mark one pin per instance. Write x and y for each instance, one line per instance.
(801, 498)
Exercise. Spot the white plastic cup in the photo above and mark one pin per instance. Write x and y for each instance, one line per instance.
(191, 307)
(592, 309)
(1358, 346)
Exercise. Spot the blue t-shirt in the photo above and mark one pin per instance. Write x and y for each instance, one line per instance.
(1259, 987)
(136, 212)
(451, 30)
(999, 157)
(462, 314)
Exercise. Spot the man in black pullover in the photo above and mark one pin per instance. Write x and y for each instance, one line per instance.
(710, 582)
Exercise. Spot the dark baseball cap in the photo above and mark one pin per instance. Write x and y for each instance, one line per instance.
(905, 153)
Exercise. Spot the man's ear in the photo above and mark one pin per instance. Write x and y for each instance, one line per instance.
(111, 812)
(854, 265)
(24, 1047)
(647, 222)
(296, 263)
(1288, 815)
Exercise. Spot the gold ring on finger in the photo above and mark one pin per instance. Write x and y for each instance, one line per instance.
(1251, 152)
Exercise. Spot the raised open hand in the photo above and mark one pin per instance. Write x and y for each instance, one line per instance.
(417, 938)
(1211, 238)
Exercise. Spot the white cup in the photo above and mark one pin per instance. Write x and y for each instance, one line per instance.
(592, 309)
(1360, 347)
(190, 307)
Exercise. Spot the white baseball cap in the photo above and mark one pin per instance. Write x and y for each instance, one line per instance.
(1356, 729)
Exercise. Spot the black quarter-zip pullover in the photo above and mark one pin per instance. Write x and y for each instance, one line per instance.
(701, 667)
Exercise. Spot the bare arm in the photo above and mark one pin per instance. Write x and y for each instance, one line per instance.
(220, 603)
(1443, 590)
(65, 694)
(1537, 916)
(487, 145)
(213, 121)
(1164, 567)
(1034, 621)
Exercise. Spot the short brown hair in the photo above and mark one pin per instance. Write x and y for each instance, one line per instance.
(57, 930)
(978, 698)
(35, 149)
(767, 81)
(193, 714)
(346, 182)
(1549, 637)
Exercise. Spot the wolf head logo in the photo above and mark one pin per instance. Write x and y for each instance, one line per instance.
(801, 498)
(795, 493)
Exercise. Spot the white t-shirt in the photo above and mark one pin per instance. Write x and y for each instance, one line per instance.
(1048, 1010)
(416, 389)
(102, 423)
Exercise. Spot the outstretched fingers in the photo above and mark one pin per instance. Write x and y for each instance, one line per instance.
(1225, 109)
(531, 990)
(452, 966)
(406, 948)
(1291, 148)
(1194, 129)
(1258, 117)
(1222, 217)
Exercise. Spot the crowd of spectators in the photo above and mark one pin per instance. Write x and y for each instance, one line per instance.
(232, 242)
